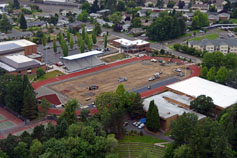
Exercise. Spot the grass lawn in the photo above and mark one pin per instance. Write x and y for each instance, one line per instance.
(212, 36)
(234, 21)
(114, 58)
(51, 74)
(141, 139)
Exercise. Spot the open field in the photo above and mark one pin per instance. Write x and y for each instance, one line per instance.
(137, 74)
(141, 139)
(212, 36)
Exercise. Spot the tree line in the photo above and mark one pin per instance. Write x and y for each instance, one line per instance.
(205, 138)
(220, 68)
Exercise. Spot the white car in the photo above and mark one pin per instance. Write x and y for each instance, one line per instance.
(141, 126)
(141, 55)
(153, 60)
(151, 79)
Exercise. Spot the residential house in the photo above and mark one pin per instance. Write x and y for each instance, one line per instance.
(142, 12)
(104, 12)
(154, 15)
(95, 16)
(137, 31)
(223, 45)
(102, 22)
(224, 16)
(37, 24)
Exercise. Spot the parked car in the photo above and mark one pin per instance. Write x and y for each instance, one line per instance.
(141, 55)
(49, 67)
(93, 87)
(123, 79)
(153, 60)
(177, 70)
(157, 75)
(151, 79)
(141, 126)
(59, 63)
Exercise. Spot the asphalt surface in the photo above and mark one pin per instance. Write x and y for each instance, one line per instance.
(156, 85)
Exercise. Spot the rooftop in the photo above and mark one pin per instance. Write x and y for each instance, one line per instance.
(22, 43)
(126, 42)
(223, 96)
(217, 42)
(83, 55)
(167, 109)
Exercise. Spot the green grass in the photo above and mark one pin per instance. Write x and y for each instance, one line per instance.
(234, 21)
(141, 139)
(51, 74)
(114, 57)
(212, 36)
(185, 35)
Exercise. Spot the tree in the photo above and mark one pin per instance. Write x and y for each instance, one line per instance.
(111, 111)
(160, 3)
(146, 153)
(86, 6)
(90, 45)
(23, 24)
(203, 104)
(36, 148)
(212, 8)
(64, 48)
(166, 27)
(105, 41)
(74, 130)
(21, 150)
(29, 110)
(116, 17)
(121, 6)
(84, 114)
(195, 22)
(71, 41)
(83, 33)
(3, 154)
(43, 40)
(135, 110)
(82, 47)
(70, 112)
(16, 4)
(68, 36)
(204, 72)
(5, 24)
(211, 74)
(83, 16)
(170, 4)
(40, 72)
(136, 22)
(153, 118)
(222, 75)
(200, 20)
(232, 79)
(95, 7)
(181, 129)
(181, 4)
(79, 40)
(97, 28)
(94, 36)
(86, 39)
(131, 4)
(45, 106)
(183, 151)
(234, 14)
(54, 46)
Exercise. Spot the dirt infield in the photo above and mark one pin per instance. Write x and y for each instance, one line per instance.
(137, 74)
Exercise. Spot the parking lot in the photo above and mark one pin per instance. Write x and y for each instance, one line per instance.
(137, 75)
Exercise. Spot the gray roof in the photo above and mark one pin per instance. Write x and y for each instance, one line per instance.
(36, 23)
(6, 67)
(22, 65)
(10, 48)
(217, 42)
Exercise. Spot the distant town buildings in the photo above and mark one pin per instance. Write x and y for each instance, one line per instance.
(221, 45)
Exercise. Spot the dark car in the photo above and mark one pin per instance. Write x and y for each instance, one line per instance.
(93, 87)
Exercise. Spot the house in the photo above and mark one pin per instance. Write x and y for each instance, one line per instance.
(126, 27)
(223, 45)
(102, 22)
(142, 12)
(213, 18)
(104, 12)
(36, 24)
(94, 15)
(3, 36)
(15, 34)
(75, 25)
(224, 16)
(137, 31)
(128, 46)
(154, 15)
(87, 29)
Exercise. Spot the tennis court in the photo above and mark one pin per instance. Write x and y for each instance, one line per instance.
(6, 125)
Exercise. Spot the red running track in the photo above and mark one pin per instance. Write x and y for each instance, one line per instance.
(10, 117)
(195, 72)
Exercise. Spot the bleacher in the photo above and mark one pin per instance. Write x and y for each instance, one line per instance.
(82, 61)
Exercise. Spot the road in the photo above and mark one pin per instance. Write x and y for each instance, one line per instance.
(156, 85)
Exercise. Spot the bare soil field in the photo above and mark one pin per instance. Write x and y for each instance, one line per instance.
(137, 75)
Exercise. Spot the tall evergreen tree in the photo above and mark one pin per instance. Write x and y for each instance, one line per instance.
(23, 24)
(30, 104)
(94, 36)
(90, 45)
(43, 40)
(54, 46)
(105, 41)
(71, 41)
(5, 25)
(83, 33)
(16, 4)
(152, 117)
(95, 7)
(82, 47)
